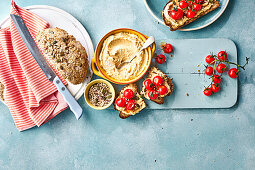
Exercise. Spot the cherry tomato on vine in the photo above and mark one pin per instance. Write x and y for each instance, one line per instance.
(148, 84)
(215, 88)
(183, 4)
(157, 80)
(128, 94)
(233, 73)
(130, 105)
(168, 48)
(197, 7)
(208, 91)
(216, 79)
(176, 14)
(191, 14)
(161, 59)
(222, 56)
(162, 90)
(209, 71)
(153, 94)
(210, 59)
(221, 68)
(121, 102)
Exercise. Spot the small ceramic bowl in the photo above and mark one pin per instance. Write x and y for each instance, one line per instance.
(99, 71)
(86, 95)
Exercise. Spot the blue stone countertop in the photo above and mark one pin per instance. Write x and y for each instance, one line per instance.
(155, 139)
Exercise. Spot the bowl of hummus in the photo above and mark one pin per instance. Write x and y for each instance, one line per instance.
(118, 46)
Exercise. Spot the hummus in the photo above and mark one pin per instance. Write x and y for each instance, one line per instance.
(122, 47)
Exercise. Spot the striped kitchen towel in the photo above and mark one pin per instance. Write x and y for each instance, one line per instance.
(30, 96)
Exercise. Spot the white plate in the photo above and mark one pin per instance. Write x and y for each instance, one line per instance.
(59, 18)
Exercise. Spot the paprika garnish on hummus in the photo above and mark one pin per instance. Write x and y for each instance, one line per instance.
(121, 47)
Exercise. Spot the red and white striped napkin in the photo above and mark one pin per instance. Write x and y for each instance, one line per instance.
(30, 96)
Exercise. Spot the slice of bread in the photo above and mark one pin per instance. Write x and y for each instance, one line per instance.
(140, 104)
(167, 82)
(207, 6)
(1, 91)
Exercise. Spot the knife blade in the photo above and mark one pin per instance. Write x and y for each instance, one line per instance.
(42, 62)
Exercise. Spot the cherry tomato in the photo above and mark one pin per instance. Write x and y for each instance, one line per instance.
(208, 91)
(233, 73)
(210, 59)
(176, 14)
(197, 7)
(209, 71)
(157, 80)
(221, 68)
(130, 105)
(215, 88)
(191, 14)
(148, 84)
(162, 90)
(222, 56)
(128, 94)
(153, 94)
(161, 59)
(216, 79)
(183, 4)
(121, 102)
(168, 48)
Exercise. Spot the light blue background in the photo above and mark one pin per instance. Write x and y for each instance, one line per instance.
(171, 139)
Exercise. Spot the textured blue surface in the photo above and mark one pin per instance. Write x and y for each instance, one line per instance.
(170, 139)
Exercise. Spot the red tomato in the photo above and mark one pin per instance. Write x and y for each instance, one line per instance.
(216, 79)
(233, 73)
(209, 71)
(158, 81)
(191, 14)
(148, 84)
(161, 59)
(221, 68)
(121, 102)
(130, 105)
(222, 56)
(183, 4)
(176, 14)
(197, 7)
(128, 94)
(168, 48)
(162, 90)
(210, 59)
(153, 94)
(208, 91)
(215, 88)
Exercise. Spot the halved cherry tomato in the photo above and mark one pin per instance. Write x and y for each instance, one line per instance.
(130, 105)
(222, 56)
(210, 59)
(148, 84)
(216, 79)
(215, 88)
(158, 81)
(153, 94)
(162, 90)
(183, 4)
(208, 91)
(176, 14)
(191, 14)
(161, 59)
(221, 68)
(233, 73)
(209, 71)
(168, 48)
(128, 94)
(121, 102)
(197, 7)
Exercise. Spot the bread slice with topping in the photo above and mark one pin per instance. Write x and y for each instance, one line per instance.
(140, 104)
(166, 82)
(1, 92)
(206, 7)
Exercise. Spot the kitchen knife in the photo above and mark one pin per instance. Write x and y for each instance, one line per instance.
(42, 62)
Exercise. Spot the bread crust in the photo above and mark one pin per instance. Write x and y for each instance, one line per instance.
(167, 23)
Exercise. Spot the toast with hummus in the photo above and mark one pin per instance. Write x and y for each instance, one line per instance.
(167, 82)
(66, 54)
(174, 24)
(1, 92)
(140, 104)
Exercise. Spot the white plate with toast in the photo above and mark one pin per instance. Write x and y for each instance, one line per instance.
(59, 18)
